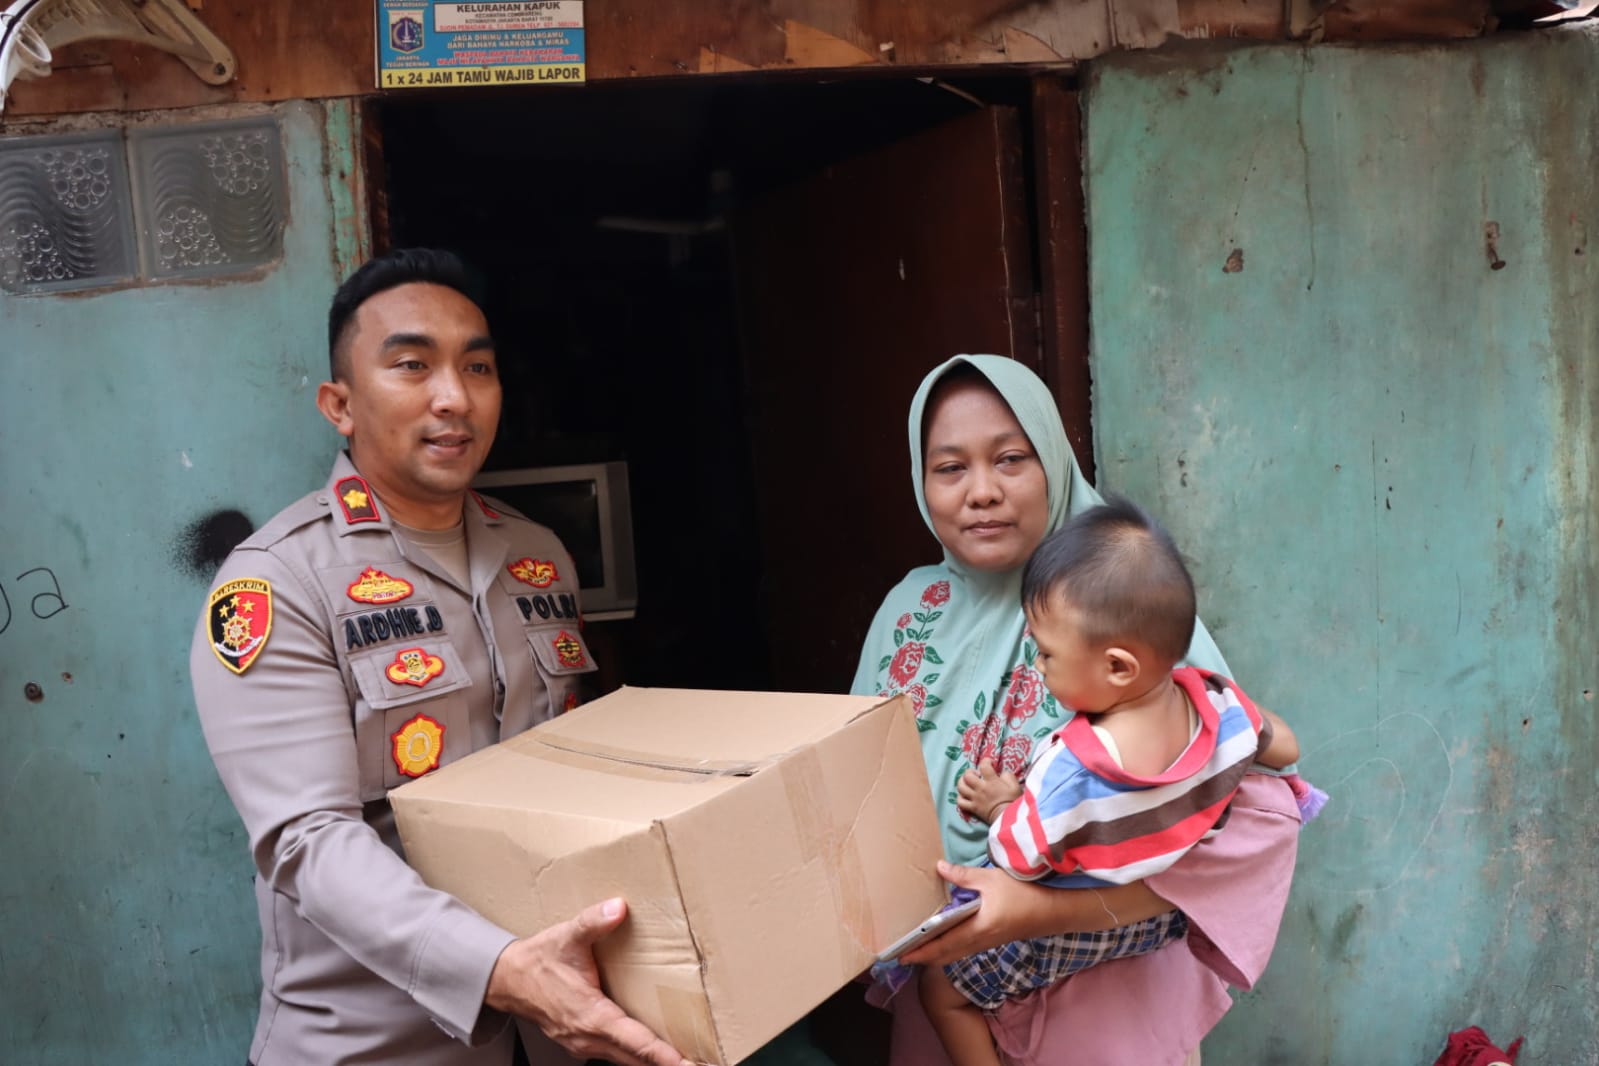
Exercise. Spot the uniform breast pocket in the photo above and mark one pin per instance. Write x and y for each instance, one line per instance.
(560, 651)
(415, 716)
(562, 658)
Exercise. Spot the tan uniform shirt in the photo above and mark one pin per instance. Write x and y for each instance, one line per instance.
(335, 660)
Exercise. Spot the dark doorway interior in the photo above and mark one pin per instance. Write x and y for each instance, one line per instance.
(598, 218)
(601, 221)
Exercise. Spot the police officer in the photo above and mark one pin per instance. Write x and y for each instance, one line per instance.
(365, 636)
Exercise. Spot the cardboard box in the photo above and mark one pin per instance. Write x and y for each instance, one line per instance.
(768, 845)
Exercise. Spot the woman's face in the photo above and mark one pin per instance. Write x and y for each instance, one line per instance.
(985, 487)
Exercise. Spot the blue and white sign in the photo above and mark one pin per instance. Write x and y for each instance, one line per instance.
(431, 44)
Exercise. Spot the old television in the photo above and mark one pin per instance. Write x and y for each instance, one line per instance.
(587, 507)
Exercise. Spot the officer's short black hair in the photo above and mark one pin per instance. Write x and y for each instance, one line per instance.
(401, 266)
(1121, 572)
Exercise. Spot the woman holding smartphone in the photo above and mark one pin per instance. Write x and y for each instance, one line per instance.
(993, 475)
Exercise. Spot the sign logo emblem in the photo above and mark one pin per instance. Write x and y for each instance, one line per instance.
(240, 617)
(535, 572)
(374, 586)
(405, 31)
(418, 745)
(569, 651)
(413, 666)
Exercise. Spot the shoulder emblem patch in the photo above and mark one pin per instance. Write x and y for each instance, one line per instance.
(418, 745)
(374, 586)
(355, 496)
(569, 650)
(413, 666)
(536, 572)
(240, 618)
(488, 511)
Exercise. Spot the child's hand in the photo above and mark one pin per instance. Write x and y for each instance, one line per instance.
(983, 791)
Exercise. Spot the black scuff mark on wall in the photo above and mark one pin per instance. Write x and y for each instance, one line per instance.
(204, 543)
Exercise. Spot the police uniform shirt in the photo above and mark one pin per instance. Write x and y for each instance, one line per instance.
(336, 660)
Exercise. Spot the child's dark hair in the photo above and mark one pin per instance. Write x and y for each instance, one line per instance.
(391, 270)
(1119, 569)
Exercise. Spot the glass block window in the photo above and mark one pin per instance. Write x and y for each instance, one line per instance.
(65, 213)
(212, 198)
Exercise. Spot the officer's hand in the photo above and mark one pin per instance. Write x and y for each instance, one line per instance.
(551, 979)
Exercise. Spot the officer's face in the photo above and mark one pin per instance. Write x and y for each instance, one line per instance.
(421, 402)
(985, 487)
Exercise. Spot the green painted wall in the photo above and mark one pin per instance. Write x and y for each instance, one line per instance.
(127, 931)
(1380, 451)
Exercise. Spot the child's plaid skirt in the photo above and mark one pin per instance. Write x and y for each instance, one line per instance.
(991, 977)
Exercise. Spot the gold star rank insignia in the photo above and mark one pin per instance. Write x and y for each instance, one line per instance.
(355, 496)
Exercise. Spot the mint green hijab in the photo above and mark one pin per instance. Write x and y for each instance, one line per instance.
(955, 639)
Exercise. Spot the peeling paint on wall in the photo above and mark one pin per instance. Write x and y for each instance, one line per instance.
(1384, 433)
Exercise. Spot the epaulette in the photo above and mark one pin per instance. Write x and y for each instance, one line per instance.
(302, 512)
(494, 508)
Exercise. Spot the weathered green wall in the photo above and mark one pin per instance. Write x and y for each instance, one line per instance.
(1380, 451)
(127, 931)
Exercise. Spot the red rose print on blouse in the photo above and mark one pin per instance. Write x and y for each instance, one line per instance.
(904, 622)
(980, 741)
(906, 662)
(1015, 754)
(1024, 696)
(918, 695)
(936, 594)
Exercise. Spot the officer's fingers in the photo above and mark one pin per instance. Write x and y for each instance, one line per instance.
(986, 768)
(597, 921)
(616, 1037)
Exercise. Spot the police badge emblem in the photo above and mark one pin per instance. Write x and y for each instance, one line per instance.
(414, 666)
(374, 586)
(418, 745)
(569, 650)
(536, 572)
(239, 617)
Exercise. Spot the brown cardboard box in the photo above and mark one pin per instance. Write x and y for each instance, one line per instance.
(768, 845)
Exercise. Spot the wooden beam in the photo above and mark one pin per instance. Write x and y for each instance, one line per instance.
(292, 49)
(1063, 259)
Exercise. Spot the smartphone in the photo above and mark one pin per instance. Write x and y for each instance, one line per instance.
(936, 925)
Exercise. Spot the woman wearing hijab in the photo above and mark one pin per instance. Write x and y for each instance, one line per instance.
(993, 475)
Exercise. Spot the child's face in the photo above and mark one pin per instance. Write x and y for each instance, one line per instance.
(1077, 673)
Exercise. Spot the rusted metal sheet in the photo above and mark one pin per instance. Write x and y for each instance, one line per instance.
(1378, 20)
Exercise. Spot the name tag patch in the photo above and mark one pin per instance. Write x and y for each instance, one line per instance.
(548, 605)
(374, 627)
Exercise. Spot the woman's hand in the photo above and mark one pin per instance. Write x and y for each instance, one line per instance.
(1020, 910)
(982, 792)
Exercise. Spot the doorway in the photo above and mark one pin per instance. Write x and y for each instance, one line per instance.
(733, 287)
